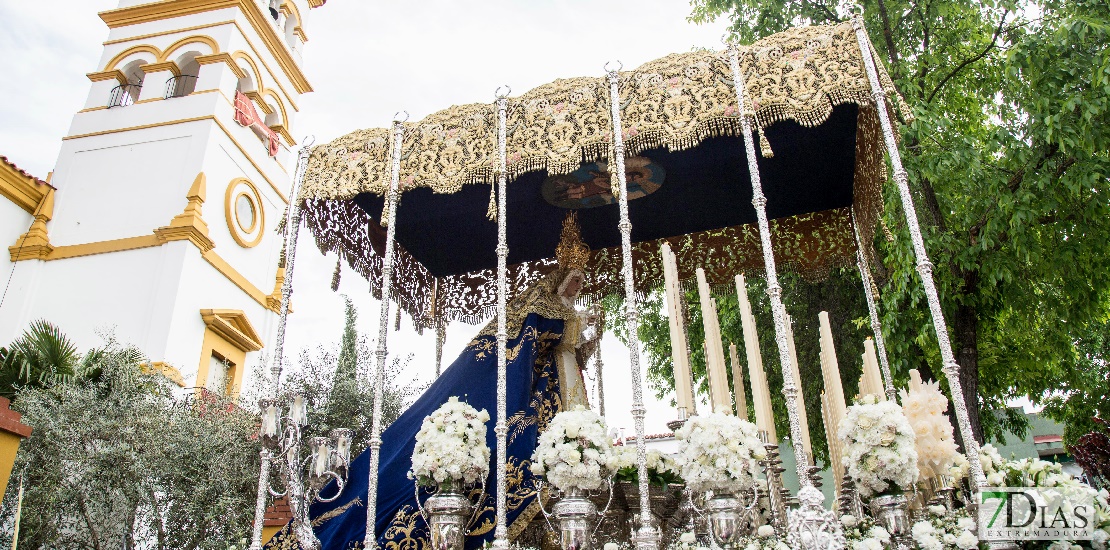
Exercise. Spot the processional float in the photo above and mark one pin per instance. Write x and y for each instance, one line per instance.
(448, 217)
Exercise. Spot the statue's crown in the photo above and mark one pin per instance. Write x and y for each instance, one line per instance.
(572, 253)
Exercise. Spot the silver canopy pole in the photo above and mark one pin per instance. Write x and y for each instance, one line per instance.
(873, 309)
(647, 538)
(371, 540)
(924, 266)
(774, 290)
(501, 534)
(292, 225)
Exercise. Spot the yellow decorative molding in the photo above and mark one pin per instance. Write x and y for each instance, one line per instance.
(228, 337)
(222, 58)
(165, 369)
(242, 237)
(190, 225)
(35, 243)
(300, 34)
(316, 3)
(23, 189)
(163, 33)
(260, 102)
(157, 53)
(153, 241)
(142, 48)
(194, 39)
(233, 326)
(160, 66)
(237, 279)
(273, 301)
(166, 9)
(284, 133)
(280, 193)
(111, 74)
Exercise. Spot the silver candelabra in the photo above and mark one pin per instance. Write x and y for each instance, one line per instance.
(304, 476)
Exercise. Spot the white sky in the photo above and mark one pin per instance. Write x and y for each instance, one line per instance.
(366, 61)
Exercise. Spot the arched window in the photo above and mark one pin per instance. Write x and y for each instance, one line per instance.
(127, 94)
(291, 24)
(185, 82)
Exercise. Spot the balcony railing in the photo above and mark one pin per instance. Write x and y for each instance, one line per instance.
(180, 86)
(124, 95)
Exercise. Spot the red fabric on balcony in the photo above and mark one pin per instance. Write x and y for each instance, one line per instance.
(247, 115)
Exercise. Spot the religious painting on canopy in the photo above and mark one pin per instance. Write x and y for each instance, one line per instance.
(590, 185)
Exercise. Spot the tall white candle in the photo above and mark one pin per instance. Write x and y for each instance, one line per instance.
(761, 394)
(833, 404)
(738, 383)
(871, 375)
(714, 349)
(803, 418)
(680, 357)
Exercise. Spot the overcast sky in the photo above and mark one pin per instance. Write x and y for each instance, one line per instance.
(366, 61)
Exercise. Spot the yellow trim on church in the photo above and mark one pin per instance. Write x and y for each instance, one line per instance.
(228, 337)
(188, 226)
(24, 190)
(167, 9)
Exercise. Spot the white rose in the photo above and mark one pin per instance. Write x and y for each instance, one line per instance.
(849, 520)
(765, 531)
(687, 537)
(967, 541)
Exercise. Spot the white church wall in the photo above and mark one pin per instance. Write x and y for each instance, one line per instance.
(124, 185)
(14, 221)
(121, 293)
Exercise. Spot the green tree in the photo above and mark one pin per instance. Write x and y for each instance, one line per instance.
(42, 357)
(1007, 157)
(118, 461)
(338, 385)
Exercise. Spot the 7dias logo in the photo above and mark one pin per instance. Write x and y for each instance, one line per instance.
(1041, 513)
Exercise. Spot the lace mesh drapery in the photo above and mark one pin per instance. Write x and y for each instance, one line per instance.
(674, 102)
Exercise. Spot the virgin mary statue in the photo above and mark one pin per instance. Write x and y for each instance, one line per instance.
(547, 340)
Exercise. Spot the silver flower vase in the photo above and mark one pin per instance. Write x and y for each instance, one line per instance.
(447, 513)
(944, 491)
(889, 509)
(723, 511)
(575, 516)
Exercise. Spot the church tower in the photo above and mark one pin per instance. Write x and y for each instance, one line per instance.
(159, 222)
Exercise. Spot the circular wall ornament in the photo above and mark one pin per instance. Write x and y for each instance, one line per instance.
(246, 219)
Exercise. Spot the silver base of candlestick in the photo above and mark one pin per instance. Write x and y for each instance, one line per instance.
(575, 515)
(890, 512)
(777, 494)
(447, 516)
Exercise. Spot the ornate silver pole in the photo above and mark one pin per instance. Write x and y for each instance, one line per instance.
(774, 290)
(647, 537)
(500, 533)
(292, 227)
(598, 365)
(872, 308)
(924, 266)
(811, 526)
(371, 540)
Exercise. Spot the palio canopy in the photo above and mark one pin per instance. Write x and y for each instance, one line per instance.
(688, 182)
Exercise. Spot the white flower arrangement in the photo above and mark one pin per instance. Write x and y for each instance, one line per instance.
(717, 453)
(925, 409)
(1032, 472)
(945, 531)
(451, 446)
(575, 452)
(880, 453)
(764, 539)
(863, 533)
(662, 468)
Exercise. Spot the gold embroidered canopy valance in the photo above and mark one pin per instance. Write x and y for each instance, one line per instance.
(820, 147)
